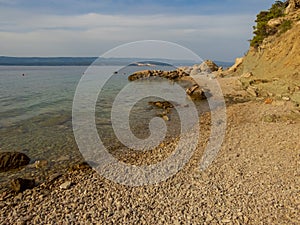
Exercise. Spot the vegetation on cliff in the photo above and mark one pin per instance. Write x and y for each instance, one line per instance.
(263, 29)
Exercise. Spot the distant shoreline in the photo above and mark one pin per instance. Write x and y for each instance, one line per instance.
(87, 61)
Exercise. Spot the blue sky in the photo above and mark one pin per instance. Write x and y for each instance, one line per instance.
(215, 29)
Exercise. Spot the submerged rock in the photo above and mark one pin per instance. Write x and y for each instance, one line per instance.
(20, 184)
(12, 160)
(162, 104)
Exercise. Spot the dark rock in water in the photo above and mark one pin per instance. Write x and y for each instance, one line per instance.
(195, 92)
(170, 75)
(162, 104)
(82, 166)
(20, 184)
(12, 160)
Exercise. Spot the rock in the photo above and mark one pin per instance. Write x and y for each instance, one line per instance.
(270, 118)
(209, 218)
(293, 4)
(81, 166)
(238, 62)
(41, 163)
(190, 90)
(195, 71)
(247, 75)
(252, 91)
(275, 22)
(208, 66)
(225, 220)
(65, 185)
(20, 184)
(286, 98)
(268, 101)
(195, 92)
(162, 104)
(165, 118)
(171, 75)
(12, 160)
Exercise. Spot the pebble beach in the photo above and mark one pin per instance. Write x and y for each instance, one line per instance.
(255, 178)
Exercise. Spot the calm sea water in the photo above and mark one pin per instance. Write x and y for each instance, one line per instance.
(36, 108)
(40, 90)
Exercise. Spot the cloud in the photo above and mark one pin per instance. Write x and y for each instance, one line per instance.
(23, 33)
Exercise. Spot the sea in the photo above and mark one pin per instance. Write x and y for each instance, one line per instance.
(36, 113)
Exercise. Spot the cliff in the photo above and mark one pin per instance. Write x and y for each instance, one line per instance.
(272, 68)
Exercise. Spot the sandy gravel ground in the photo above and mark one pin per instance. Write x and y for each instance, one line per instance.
(255, 179)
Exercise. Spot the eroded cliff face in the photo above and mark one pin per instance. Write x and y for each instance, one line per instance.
(275, 64)
(293, 4)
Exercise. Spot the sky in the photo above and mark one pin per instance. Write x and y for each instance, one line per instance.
(215, 29)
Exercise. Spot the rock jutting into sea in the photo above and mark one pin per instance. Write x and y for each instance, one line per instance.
(170, 75)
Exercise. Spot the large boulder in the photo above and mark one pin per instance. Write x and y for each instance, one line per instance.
(12, 160)
(208, 66)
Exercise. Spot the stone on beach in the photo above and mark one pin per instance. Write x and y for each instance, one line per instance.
(12, 160)
(20, 184)
(65, 185)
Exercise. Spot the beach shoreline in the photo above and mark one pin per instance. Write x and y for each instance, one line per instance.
(254, 179)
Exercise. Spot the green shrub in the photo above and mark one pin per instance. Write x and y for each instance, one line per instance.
(285, 26)
(262, 30)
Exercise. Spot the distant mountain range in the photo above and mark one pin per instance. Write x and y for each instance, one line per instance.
(86, 61)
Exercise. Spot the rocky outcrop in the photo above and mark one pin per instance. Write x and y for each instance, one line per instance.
(12, 160)
(170, 75)
(275, 22)
(208, 66)
(237, 64)
(276, 60)
(293, 5)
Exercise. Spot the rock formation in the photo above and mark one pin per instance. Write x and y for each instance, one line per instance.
(293, 4)
(276, 61)
(170, 75)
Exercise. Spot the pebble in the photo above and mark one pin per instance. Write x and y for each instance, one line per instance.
(286, 98)
(65, 185)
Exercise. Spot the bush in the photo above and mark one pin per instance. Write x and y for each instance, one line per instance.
(262, 30)
(285, 26)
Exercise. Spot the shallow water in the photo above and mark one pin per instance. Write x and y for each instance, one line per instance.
(36, 113)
